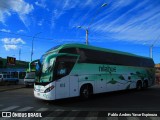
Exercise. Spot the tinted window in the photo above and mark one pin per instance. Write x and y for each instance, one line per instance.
(4, 76)
(30, 75)
(100, 57)
(22, 75)
(63, 66)
(68, 50)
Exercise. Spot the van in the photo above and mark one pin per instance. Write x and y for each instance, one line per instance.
(29, 79)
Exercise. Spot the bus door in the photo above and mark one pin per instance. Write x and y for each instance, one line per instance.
(63, 67)
(62, 87)
(74, 91)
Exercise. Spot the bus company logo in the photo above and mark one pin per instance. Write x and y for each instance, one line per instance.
(107, 69)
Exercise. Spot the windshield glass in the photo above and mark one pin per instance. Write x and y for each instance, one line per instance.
(30, 75)
(44, 68)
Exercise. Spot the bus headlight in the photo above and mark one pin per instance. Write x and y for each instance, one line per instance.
(49, 89)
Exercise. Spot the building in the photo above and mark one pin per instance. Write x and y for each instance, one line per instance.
(157, 66)
(13, 67)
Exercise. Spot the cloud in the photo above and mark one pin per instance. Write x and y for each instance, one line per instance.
(40, 23)
(62, 7)
(55, 15)
(10, 47)
(4, 30)
(20, 7)
(41, 3)
(12, 43)
(121, 3)
(138, 23)
(20, 31)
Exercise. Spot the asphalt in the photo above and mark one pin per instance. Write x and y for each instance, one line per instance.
(10, 87)
(19, 86)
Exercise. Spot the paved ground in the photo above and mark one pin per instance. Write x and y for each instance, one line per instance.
(22, 100)
(10, 87)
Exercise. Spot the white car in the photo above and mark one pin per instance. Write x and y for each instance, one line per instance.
(29, 79)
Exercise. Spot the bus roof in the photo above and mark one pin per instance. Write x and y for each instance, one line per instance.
(76, 45)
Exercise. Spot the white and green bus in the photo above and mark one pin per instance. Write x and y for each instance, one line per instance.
(72, 70)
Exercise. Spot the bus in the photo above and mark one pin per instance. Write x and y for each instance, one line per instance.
(72, 70)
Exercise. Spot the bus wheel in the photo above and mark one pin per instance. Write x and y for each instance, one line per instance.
(145, 84)
(139, 85)
(86, 91)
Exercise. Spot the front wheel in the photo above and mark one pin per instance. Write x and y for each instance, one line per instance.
(86, 92)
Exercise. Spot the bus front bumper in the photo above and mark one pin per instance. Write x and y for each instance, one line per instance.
(43, 96)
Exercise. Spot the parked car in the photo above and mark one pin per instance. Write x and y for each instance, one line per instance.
(29, 79)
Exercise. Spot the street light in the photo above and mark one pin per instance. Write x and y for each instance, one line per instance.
(87, 28)
(32, 44)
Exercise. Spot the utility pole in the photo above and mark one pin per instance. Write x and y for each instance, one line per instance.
(20, 54)
(87, 28)
(86, 36)
(32, 44)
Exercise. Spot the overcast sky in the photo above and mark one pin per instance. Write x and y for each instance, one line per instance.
(125, 25)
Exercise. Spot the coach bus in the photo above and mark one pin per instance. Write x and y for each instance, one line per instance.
(72, 70)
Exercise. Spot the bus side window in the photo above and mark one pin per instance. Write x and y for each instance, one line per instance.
(4, 76)
(62, 70)
(63, 66)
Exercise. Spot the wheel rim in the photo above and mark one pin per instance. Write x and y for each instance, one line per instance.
(86, 93)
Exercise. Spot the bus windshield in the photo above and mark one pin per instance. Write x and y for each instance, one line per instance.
(44, 69)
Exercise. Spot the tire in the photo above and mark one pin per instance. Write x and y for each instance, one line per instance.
(86, 91)
(139, 85)
(145, 85)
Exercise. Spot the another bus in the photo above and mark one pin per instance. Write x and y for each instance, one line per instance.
(72, 70)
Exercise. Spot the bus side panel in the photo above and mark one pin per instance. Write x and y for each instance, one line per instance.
(100, 83)
(112, 83)
(62, 87)
(73, 88)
